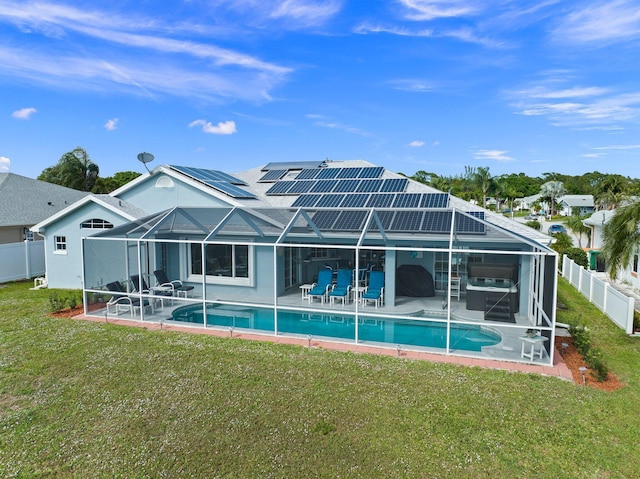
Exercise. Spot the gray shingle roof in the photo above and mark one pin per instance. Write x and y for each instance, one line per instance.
(25, 201)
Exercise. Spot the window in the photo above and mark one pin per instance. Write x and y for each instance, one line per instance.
(221, 261)
(60, 244)
(635, 263)
(28, 234)
(96, 223)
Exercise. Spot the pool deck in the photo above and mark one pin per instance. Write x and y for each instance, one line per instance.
(559, 368)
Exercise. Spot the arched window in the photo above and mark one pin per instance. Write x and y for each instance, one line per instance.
(96, 223)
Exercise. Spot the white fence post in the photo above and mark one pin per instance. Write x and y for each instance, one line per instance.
(630, 312)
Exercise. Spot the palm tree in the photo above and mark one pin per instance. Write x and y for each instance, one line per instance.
(552, 190)
(621, 238)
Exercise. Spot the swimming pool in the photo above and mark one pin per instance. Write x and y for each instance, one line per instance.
(420, 333)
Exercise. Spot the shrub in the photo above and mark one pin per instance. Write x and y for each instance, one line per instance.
(56, 302)
(578, 255)
(592, 355)
(533, 224)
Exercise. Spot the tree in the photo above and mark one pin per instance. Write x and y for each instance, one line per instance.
(621, 238)
(112, 183)
(578, 229)
(74, 170)
(551, 191)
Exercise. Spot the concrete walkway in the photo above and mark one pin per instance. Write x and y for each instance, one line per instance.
(559, 368)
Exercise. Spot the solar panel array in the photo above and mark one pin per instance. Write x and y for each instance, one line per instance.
(272, 175)
(400, 221)
(321, 184)
(218, 180)
(342, 173)
(372, 200)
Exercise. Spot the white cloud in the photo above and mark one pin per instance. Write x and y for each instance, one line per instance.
(491, 155)
(111, 124)
(412, 85)
(600, 21)
(23, 113)
(305, 12)
(424, 10)
(416, 143)
(618, 147)
(168, 65)
(222, 128)
(4, 164)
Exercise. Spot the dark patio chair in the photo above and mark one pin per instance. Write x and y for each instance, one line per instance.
(140, 285)
(120, 302)
(176, 285)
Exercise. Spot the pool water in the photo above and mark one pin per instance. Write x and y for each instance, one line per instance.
(382, 330)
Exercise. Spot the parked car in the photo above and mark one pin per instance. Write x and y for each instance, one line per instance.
(531, 217)
(555, 229)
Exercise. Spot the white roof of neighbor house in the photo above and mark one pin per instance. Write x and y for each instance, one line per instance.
(599, 218)
(25, 201)
(577, 200)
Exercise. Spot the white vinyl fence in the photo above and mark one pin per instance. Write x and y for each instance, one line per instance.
(611, 302)
(21, 260)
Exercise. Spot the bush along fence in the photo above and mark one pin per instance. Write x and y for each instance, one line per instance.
(592, 355)
(617, 306)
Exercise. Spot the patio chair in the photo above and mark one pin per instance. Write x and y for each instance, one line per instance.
(140, 285)
(322, 286)
(120, 302)
(176, 285)
(342, 289)
(375, 290)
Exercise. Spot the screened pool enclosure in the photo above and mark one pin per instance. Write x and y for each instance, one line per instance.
(434, 279)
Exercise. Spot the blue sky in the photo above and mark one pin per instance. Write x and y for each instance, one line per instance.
(527, 86)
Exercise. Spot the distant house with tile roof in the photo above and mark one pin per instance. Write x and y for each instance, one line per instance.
(25, 202)
(583, 204)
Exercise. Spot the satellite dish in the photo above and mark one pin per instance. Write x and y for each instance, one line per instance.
(145, 158)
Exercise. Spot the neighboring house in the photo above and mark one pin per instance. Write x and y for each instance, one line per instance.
(24, 202)
(527, 202)
(596, 222)
(429, 271)
(583, 204)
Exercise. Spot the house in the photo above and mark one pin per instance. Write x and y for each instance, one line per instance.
(596, 222)
(25, 202)
(583, 204)
(266, 250)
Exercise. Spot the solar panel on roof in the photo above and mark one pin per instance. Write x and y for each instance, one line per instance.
(300, 187)
(280, 188)
(394, 185)
(349, 172)
(231, 190)
(306, 201)
(216, 179)
(436, 222)
(346, 186)
(407, 221)
(273, 175)
(369, 186)
(407, 200)
(435, 200)
(350, 221)
(386, 217)
(308, 174)
(323, 186)
(330, 201)
(380, 200)
(354, 201)
(324, 219)
(328, 174)
(371, 172)
(465, 224)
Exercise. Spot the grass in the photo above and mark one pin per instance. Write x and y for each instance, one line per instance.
(81, 399)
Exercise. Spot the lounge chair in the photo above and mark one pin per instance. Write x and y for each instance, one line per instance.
(342, 289)
(120, 302)
(375, 290)
(140, 285)
(176, 285)
(322, 287)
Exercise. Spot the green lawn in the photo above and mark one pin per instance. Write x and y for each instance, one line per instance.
(86, 400)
